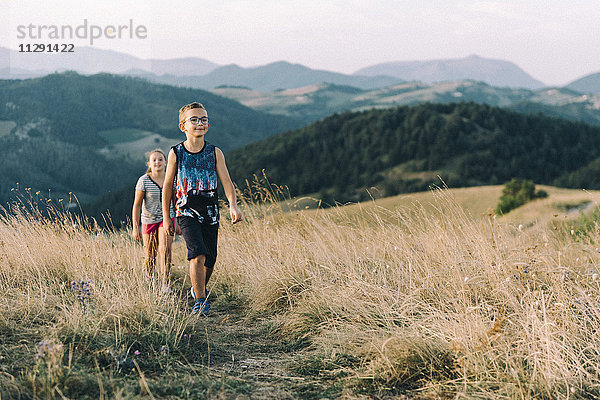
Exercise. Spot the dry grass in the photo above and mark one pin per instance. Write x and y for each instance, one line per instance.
(429, 297)
(427, 300)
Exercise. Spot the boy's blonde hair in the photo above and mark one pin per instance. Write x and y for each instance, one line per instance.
(148, 154)
(190, 106)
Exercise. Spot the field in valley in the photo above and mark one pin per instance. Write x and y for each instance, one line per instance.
(423, 296)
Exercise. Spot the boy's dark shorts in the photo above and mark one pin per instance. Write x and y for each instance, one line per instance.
(200, 239)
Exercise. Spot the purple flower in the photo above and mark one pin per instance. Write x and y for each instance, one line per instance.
(137, 352)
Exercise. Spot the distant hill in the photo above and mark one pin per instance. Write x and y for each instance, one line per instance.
(274, 76)
(88, 134)
(404, 149)
(188, 72)
(587, 84)
(92, 60)
(318, 101)
(494, 72)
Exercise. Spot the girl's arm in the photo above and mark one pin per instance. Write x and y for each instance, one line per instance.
(136, 213)
(234, 211)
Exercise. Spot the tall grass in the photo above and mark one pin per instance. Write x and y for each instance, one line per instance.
(429, 300)
(70, 285)
(432, 302)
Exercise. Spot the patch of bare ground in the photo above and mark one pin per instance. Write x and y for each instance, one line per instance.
(247, 349)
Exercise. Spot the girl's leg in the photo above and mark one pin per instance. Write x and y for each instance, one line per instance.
(150, 244)
(164, 251)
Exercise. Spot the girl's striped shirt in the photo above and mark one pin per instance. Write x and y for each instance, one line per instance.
(152, 203)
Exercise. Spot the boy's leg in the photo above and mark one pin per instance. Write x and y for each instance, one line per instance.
(150, 241)
(199, 254)
(198, 276)
(210, 235)
(164, 250)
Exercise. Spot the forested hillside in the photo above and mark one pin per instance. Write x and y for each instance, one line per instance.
(77, 107)
(405, 148)
(88, 134)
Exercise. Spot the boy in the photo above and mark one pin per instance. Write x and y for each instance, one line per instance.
(194, 166)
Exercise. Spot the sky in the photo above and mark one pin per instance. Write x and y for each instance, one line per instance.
(554, 41)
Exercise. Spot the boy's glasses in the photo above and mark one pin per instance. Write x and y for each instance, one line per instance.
(198, 121)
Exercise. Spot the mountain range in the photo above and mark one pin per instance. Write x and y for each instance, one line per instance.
(315, 102)
(91, 60)
(493, 72)
(274, 76)
(200, 73)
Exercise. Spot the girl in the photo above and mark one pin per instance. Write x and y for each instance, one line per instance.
(148, 205)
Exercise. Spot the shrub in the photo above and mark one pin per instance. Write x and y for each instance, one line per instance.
(516, 193)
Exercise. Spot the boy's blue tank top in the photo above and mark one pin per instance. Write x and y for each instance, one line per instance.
(196, 184)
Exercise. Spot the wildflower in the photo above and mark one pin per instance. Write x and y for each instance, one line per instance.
(395, 247)
(137, 352)
(83, 292)
(595, 277)
(48, 348)
(520, 227)
(164, 350)
(466, 278)
(572, 232)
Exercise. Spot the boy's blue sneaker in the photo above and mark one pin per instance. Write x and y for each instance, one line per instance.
(201, 306)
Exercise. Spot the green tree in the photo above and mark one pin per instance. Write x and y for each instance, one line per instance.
(516, 193)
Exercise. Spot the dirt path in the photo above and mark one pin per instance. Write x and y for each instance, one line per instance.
(245, 350)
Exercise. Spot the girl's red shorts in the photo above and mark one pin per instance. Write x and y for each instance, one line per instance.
(149, 228)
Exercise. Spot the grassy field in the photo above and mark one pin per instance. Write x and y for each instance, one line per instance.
(424, 296)
(133, 143)
(6, 127)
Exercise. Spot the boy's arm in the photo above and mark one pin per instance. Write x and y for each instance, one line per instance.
(167, 193)
(234, 211)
